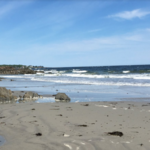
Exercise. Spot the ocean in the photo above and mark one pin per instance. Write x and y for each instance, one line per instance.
(84, 84)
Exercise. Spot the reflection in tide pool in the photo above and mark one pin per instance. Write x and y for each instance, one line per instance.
(45, 100)
(2, 141)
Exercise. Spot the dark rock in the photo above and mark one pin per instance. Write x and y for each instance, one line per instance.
(2, 117)
(85, 104)
(13, 70)
(116, 133)
(62, 97)
(38, 134)
(82, 125)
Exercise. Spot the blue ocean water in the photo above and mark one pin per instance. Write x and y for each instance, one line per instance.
(106, 69)
(103, 83)
(134, 75)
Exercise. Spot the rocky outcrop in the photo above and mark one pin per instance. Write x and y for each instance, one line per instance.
(12, 70)
(62, 97)
(31, 95)
(6, 95)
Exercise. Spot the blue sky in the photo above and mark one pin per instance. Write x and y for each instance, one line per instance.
(58, 33)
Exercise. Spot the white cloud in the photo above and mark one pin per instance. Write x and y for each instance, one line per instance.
(137, 13)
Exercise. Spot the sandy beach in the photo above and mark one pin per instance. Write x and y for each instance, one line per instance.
(76, 126)
(81, 124)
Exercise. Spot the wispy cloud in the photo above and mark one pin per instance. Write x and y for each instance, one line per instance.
(137, 13)
(11, 6)
(131, 41)
(126, 46)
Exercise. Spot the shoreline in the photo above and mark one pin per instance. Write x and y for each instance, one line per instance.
(73, 125)
(62, 125)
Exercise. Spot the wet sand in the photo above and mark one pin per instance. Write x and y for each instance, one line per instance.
(75, 126)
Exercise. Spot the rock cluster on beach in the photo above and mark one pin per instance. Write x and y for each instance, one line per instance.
(8, 95)
(31, 95)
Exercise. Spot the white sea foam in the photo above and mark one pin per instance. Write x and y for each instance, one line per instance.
(79, 71)
(131, 76)
(91, 82)
(126, 71)
(39, 73)
(51, 71)
(76, 75)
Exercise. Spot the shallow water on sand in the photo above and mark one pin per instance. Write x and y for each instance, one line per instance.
(77, 92)
(2, 141)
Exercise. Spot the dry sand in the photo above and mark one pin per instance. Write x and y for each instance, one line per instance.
(59, 125)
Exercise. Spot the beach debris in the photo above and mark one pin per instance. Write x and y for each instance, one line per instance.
(85, 104)
(144, 105)
(82, 143)
(116, 133)
(62, 97)
(33, 109)
(2, 117)
(82, 125)
(67, 145)
(60, 115)
(66, 135)
(38, 134)
(101, 105)
(141, 144)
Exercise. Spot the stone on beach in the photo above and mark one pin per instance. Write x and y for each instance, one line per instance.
(30, 95)
(6, 95)
(62, 97)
